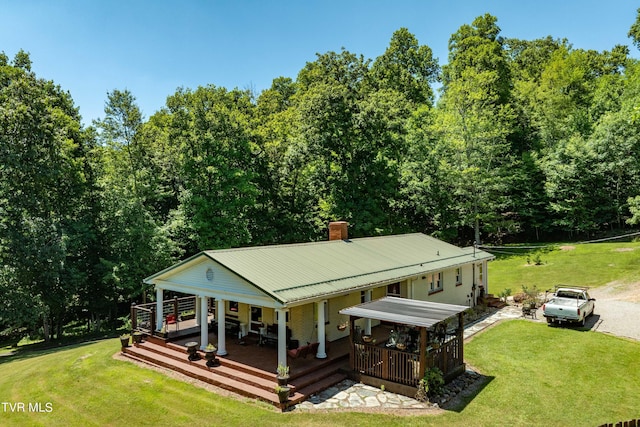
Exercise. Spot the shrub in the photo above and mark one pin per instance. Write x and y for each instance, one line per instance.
(431, 384)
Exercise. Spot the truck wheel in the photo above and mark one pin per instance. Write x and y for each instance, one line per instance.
(549, 321)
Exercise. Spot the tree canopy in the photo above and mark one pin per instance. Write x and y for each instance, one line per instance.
(526, 139)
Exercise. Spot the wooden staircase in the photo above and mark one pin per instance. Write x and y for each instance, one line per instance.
(239, 378)
(493, 301)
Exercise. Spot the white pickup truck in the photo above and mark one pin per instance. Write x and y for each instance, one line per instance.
(569, 305)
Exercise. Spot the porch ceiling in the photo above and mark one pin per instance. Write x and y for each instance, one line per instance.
(405, 311)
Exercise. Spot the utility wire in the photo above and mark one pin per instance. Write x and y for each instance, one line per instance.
(513, 248)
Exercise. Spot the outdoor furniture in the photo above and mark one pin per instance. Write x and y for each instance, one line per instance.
(269, 335)
(304, 351)
(529, 309)
(171, 320)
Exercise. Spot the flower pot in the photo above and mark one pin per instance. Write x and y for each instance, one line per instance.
(124, 341)
(283, 394)
(137, 337)
(210, 356)
(192, 350)
(283, 380)
(342, 327)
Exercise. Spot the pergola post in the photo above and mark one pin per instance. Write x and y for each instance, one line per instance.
(352, 355)
(367, 321)
(460, 335)
(423, 351)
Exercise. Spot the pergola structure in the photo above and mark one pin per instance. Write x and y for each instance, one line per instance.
(400, 369)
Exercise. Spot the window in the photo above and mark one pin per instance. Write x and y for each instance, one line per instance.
(480, 274)
(233, 306)
(458, 276)
(362, 297)
(435, 282)
(393, 289)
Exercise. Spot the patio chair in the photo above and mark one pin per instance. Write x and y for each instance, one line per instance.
(171, 320)
(529, 309)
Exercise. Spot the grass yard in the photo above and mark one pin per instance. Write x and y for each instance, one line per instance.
(593, 264)
(540, 376)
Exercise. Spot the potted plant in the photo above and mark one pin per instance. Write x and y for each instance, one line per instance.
(124, 340)
(283, 374)
(137, 337)
(192, 351)
(188, 315)
(163, 332)
(283, 393)
(210, 354)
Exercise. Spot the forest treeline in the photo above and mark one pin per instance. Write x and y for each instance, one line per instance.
(525, 138)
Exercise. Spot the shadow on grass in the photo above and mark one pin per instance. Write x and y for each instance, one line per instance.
(591, 324)
(42, 348)
(460, 402)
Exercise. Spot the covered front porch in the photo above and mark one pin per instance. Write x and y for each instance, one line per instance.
(423, 335)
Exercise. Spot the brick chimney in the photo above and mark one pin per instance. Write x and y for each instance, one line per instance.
(338, 230)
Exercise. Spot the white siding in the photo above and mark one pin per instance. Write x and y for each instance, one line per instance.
(224, 285)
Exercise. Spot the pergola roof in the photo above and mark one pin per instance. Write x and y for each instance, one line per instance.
(405, 311)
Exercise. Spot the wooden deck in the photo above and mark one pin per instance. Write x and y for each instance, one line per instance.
(248, 369)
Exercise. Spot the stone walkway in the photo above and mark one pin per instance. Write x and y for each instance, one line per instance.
(349, 394)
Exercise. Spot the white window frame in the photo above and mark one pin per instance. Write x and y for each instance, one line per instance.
(435, 282)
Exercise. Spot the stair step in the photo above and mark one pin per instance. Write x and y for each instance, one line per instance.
(303, 382)
(323, 384)
(258, 378)
(239, 378)
(209, 377)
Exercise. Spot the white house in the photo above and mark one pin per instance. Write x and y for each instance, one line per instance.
(301, 288)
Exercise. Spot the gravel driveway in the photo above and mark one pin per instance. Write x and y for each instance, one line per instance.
(617, 310)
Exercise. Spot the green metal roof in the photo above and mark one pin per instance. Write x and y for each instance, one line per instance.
(299, 272)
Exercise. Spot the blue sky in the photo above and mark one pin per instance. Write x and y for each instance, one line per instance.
(154, 47)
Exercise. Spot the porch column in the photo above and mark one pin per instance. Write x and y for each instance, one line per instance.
(159, 303)
(222, 349)
(196, 307)
(322, 350)
(204, 323)
(367, 322)
(485, 272)
(281, 315)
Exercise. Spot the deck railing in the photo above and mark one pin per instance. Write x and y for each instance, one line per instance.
(448, 357)
(404, 367)
(387, 364)
(143, 316)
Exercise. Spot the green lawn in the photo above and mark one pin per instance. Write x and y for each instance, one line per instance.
(539, 376)
(593, 264)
